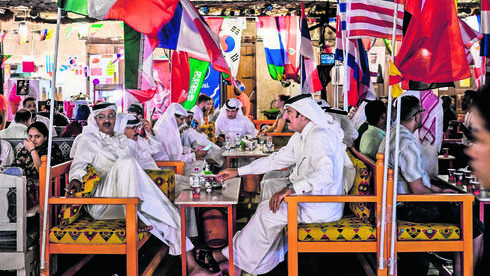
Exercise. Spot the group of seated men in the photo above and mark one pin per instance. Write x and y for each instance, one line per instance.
(119, 149)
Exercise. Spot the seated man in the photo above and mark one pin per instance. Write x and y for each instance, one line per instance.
(415, 180)
(30, 104)
(376, 118)
(191, 138)
(18, 128)
(140, 148)
(232, 122)
(121, 176)
(167, 133)
(317, 155)
(280, 124)
(200, 108)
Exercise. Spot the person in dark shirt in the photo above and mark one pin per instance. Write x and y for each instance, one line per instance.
(449, 113)
(75, 127)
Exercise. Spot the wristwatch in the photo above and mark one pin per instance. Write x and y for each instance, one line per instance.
(291, 187)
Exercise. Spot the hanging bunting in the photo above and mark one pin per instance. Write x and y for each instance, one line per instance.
(2, 36)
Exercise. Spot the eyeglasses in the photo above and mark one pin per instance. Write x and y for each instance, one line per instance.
(420, 111)
(103, 117)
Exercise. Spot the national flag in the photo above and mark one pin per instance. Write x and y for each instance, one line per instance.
(230, 38)
(143, 95)
(432, 50)
(357, 80)
(46, 34)
(49, 64)
(214, 23)
(188, 32)
(274, 53)
(144, 16)
(3, 35)
(341, 27)
(485, 28)
(212, 86)
(373, 18)
(180, 71)
(138, 60)
(28, 65)
(197, 74)
(94, 28)
(310, 81)
(289, 31)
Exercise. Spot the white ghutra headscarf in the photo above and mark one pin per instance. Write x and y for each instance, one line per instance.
(167, 131)
(96, 109)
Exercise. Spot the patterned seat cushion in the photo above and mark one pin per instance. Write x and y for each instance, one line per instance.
(345, 229)
(427, 231)
(362, 186)
(209, 130)
(165, 180)
(71, 212)
(86, 230)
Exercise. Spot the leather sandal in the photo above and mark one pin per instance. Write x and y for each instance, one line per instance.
(204, 255)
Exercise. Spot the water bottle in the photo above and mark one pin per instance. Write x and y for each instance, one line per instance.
(261, 141)
(237, 141)
(228, 143)
(195, 183)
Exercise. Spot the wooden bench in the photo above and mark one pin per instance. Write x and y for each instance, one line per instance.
(360, 233)
(435, 237)
(114, 236)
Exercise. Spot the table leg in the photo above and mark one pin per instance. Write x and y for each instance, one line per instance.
(183, 240)
(482, 212)
(228, 162)
(450, 164)
(230, 239)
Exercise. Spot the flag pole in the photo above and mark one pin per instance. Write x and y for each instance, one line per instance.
(386, 157)
(336, 85)
(392, 261)
(50, 143)
(346, 57)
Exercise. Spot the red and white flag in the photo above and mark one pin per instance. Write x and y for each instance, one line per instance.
(373, 18)
(310, 81)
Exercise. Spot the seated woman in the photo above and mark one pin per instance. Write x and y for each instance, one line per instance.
(280, 125)
(29, 158)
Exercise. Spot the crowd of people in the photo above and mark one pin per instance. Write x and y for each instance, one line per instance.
(121, 145)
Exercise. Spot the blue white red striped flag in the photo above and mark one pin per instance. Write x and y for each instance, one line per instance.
(485, 28)
(357, 81)
(188, 32)
(310, 81)
(373, 18)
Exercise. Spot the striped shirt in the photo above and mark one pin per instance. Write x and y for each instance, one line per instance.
(410, 163)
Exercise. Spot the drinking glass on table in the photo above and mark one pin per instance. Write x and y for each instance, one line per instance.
(476, 187)
(445, 152)
(459, 178)
(261, 141)
(269, 143)
(451, 178)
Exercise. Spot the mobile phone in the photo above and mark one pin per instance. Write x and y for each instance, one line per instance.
(208, 147)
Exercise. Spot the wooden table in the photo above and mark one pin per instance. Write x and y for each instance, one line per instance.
(236, 153)
(483, 198)
(226, 197)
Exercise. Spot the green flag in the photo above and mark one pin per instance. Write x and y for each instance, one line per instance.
(198, 72)
(79, 6)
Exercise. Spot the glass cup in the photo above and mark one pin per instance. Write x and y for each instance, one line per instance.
(445, 152)
(196, 191)
(451, 172)
(459, 178)
(476, 187)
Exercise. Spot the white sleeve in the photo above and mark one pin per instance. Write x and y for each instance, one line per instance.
(7, 154)
(84, 154)
(251, 130)
(155, 145)
(276, 161)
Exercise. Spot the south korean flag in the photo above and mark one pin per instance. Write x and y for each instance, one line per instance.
(230, 37)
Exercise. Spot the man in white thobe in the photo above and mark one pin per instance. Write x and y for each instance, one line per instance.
(200, 108)
(317, 155)
(191, 138)
(122, 176)
(167, 132)
(18, 128)
(140, 148)
(231, 122)
(6, 153)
